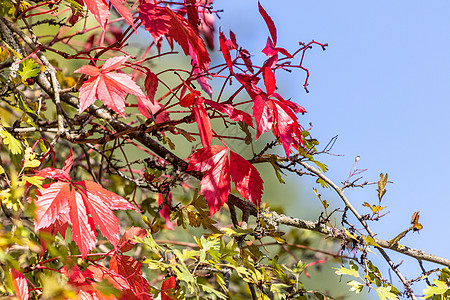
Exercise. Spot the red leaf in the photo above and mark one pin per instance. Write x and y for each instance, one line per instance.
(82, 232)
(245, 55)
(108, 87)
(225, 51)
(166, 211)
(233, 113)
(268, 76)
(145, 105)
(126, 242)
(55, 174)
(60, 201)
(192, 13)
(130, 268)
(155, 20)
(201, 78)
(51, 203)
(169, 283)
(99, 274)
(123, 11)
(68, 163)
(203, 123)
(20, 284)
(262, 112)
(215, 184)
(184, 34)
(247, 178)
(100, 10)
(151, 84)
(189, 99)
(271, 50)
(112, 200)
(269, 22)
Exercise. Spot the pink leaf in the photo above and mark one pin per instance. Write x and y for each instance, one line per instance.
(246, 177)
(20, 284)
(108, 87)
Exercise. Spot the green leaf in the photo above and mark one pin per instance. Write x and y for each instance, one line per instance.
(384, 292)
(370, 241)
(440, 288)
(323, 183)
(322, 166)
(8, 139)
(28, 69)
(273, 160)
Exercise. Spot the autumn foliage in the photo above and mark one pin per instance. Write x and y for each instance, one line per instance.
(110, 158)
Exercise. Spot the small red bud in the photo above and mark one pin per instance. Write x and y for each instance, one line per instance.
(30, 81)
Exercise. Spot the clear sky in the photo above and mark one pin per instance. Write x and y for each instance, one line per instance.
(383, 86)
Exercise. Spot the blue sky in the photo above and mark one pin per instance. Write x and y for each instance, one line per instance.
(382, 85)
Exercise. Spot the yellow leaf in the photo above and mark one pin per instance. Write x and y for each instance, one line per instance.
(30, 162)
(8, 139)
(4, 54)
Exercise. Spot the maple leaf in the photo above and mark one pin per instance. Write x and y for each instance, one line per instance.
(20, 284)
(85, 204)
(100, 10)
(107, 86)
(215, 184)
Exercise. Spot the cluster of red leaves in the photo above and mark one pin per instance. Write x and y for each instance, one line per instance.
(124, 274)
(85, 204)
(270, 110)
